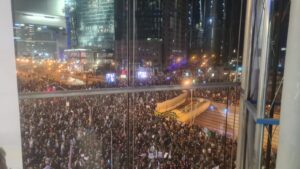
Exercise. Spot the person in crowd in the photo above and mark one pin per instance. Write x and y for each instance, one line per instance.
(35, 82)
(118, 131)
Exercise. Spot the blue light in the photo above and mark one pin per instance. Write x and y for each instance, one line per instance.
(142, 75)
(211, 108)
(225, 111)
(110, 77)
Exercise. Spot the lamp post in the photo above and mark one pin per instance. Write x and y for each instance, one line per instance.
(192, 105)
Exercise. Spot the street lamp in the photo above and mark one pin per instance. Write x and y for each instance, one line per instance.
(178, 60)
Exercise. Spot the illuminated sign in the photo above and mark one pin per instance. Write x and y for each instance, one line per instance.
(110, 77)
(142, 75)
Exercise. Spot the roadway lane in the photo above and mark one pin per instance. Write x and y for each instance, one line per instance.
(107, 91)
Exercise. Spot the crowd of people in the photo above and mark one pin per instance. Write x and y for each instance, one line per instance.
(31, 83)
(35, 82)
(116, 131)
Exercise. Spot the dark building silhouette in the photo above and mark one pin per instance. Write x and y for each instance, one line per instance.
(159, 32)
(161, 28)
(214, 28)
(196, 26)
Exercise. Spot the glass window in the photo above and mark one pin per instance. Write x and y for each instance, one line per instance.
(128, 83)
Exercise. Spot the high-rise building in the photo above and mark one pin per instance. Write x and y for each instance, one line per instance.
(161, 30)
(94, 26)
(213, 28)
(39, 41)
(92, 23)
(39, 28)
(121, 33)
(196, 26)
(149, 29)
(175, 17)
(206, 27)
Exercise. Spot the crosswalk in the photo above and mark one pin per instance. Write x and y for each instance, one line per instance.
(215, 120)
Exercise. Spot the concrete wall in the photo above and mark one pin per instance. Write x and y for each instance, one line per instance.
(10, 136)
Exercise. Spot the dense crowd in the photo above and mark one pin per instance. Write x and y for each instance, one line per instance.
(31, 83)
(116, 131)
(34, 82)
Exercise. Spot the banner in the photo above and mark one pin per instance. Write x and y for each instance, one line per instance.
(171, 104)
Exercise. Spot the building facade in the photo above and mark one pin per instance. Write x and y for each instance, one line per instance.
(161, 28)
(92, 23)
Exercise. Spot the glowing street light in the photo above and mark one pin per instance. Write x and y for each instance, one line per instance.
(194, 57)
(187, 82)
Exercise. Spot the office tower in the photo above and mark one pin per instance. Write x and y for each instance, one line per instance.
(39, 29)
(175, 16)
(207, 27)
(214, 28)
(161, 28)
(92, 31)
(92, 24)
(196, 26)
(149, 29)
(39, 41)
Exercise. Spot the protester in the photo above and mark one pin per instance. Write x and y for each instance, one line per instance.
(117, 131)
(34, 82)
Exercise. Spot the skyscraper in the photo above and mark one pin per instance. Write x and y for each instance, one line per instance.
(213, 26)
(149, 29)
(92, 23)
(196, 26)
(161, 30)
(175, 17)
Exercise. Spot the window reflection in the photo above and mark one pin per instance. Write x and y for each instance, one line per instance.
(127, 46)
(78, 47)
